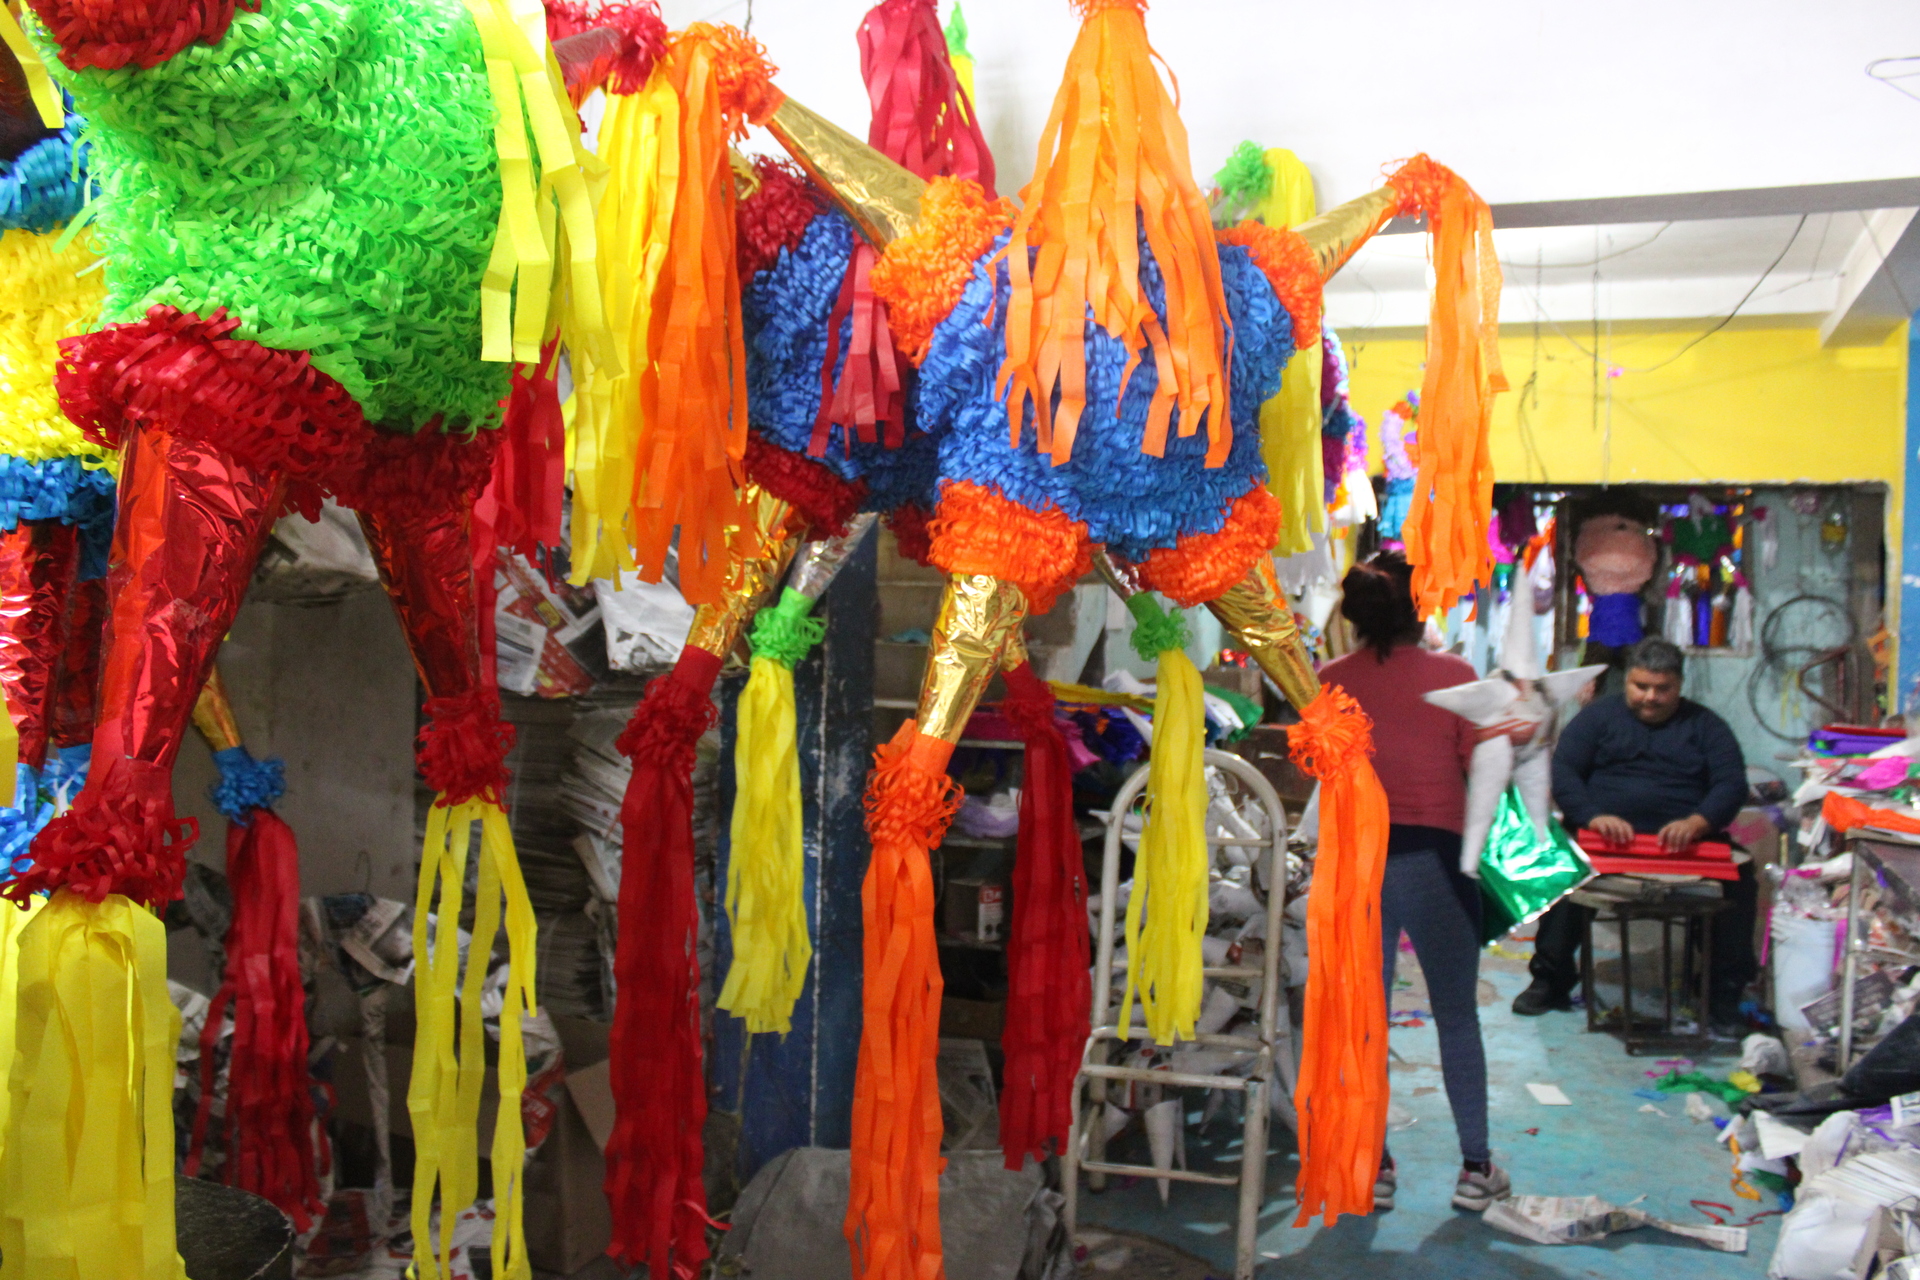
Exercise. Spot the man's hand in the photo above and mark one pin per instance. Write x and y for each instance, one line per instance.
(1611, 829)
(1681, 832)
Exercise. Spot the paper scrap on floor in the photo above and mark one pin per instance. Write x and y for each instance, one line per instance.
(1587, 1219)
(1549, 1095)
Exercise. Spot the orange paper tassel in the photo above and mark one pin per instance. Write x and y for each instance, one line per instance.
(893, 1209)
(1113, 163)
(1342, 1094)
(1446, 528)
(693, 389)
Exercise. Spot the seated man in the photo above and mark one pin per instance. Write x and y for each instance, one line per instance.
(1648, 761)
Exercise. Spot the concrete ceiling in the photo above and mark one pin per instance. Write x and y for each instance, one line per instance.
(1730, 120)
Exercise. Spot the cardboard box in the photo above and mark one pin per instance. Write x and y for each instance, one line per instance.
(569, 1222)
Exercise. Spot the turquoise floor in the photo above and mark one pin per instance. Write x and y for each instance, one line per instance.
(1601, 1145)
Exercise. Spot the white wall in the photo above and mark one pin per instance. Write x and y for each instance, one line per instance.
(1531, 100)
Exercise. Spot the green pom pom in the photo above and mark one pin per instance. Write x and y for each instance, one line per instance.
(326, 173)
(1244, 181)
(785, 633)
(957, 33)
(1154, 629)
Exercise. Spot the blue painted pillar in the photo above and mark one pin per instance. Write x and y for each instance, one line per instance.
(797, 1090)
(1907, 694)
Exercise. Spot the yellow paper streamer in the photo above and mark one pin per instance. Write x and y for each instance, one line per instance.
(12, 922)
(443, 1096)
(1171, 872)
(766, 904)
(546, 215)
(1290, 419)
(46, 97)
(86, 1182)
(639, 139)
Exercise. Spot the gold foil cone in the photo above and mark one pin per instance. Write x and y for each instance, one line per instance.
(751, 580)
(213, 715)
(882, 198)
(1335, 235)
(1255, 610)
(977, 615)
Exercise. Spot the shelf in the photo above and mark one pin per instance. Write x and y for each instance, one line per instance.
(963, 942)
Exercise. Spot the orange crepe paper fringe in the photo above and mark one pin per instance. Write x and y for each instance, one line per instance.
(1446, 527)
(1290, 267)
(976, 530)
(1342, 1094)
(1112, 164)
(693, 389)
(922, 275)
(893, 1209)
(1202, 565)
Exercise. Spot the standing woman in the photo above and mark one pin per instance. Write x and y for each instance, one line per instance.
(1421, 754)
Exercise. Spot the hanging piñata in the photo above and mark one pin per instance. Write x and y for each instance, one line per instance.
(260, 353)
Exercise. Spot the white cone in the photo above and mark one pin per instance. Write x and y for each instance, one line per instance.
(1164, 1133)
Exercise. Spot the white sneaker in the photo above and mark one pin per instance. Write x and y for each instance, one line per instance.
(1475, 1191)
(1385, 1183)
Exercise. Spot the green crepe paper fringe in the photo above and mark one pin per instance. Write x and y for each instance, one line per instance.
(785, 633)
(1154, 629)
(1243, 183)
(956, 33)
(327, 174)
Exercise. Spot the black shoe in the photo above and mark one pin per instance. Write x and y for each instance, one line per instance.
(1540, 998)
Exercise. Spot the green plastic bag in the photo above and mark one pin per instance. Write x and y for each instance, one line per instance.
(1522, 875)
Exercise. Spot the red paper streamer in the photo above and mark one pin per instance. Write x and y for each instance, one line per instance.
(269, 1121)
(110, 34)
(893, 1205)
(655, 1156)
(1048, 992)
(39, 560)
(922, 117)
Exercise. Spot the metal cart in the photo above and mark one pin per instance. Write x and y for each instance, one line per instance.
(1271, 1049)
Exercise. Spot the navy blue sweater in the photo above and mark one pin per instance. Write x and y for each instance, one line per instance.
(1609, 762)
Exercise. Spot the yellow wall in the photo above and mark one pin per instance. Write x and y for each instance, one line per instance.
(1745, 405)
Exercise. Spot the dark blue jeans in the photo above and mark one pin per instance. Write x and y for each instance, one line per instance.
(1424, 894)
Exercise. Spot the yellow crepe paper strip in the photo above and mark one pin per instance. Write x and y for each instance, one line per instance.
(443, 1096)
(86, 1186)
(46, 97)
(1167, 911)
(12, 923)
(546, 215)
(1290, 418)
(766, 904)
(46, 293)
(639, 139)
